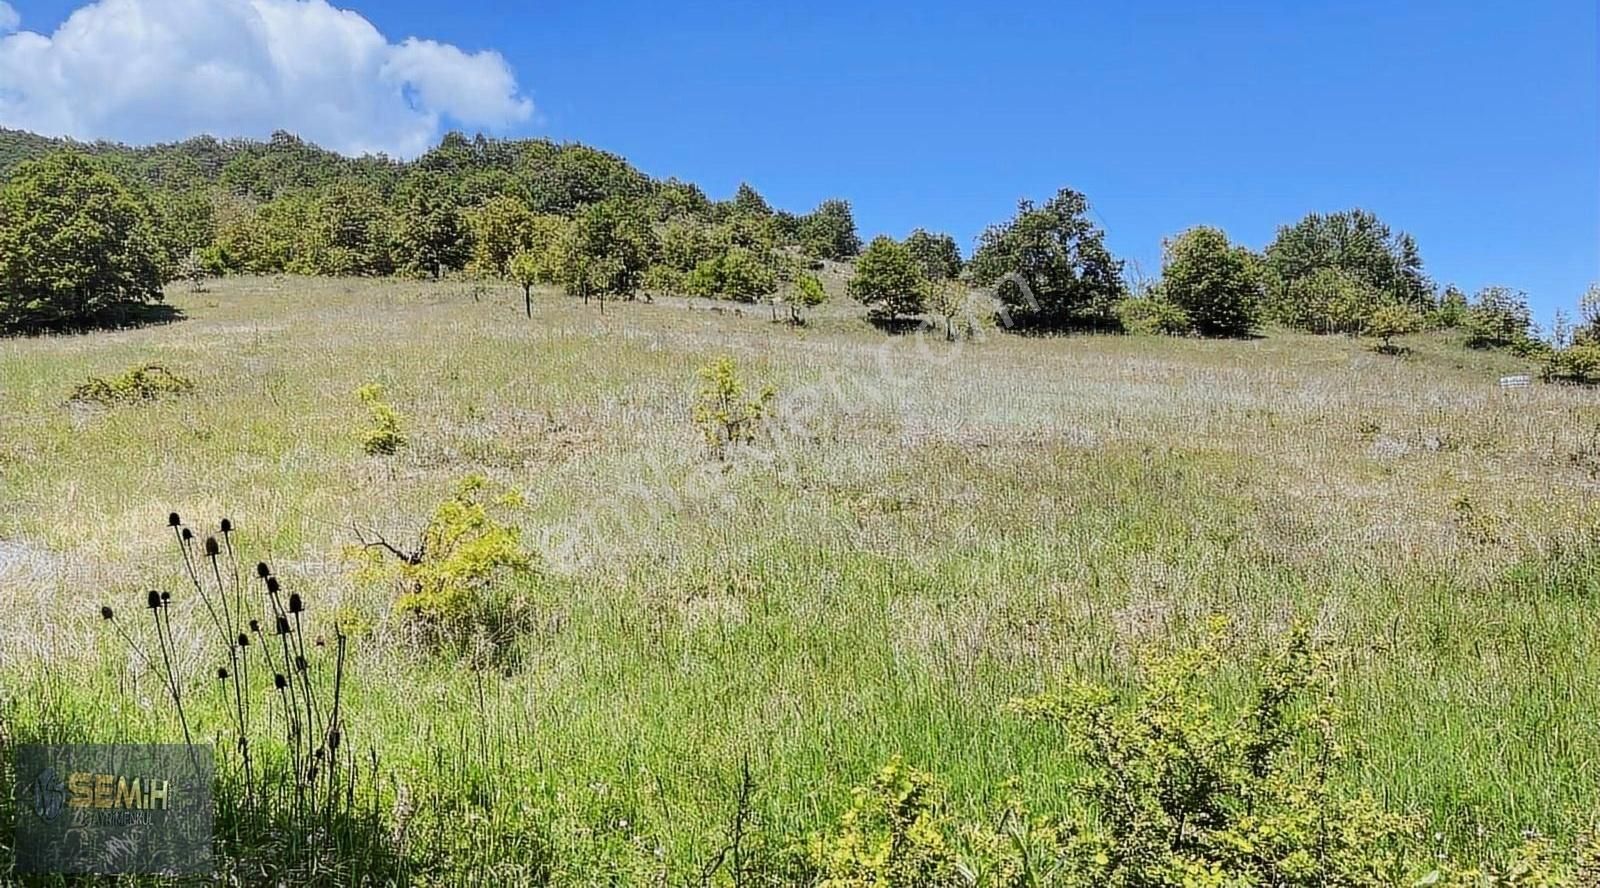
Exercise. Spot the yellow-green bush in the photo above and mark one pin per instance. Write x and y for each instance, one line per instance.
(148, 382)
(384, 437)
(723, 412)
(457, 582)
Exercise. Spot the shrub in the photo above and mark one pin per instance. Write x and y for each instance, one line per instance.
(738, 273)
(1578, 364)
(1327, 300)
(384, 437)
(1187, 795)
(447, 581)
(148, 382)
(722, 411)
(806, 292)
(1153, 314)
(892, 836)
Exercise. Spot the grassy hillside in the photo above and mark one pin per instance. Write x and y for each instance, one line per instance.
(939, 529)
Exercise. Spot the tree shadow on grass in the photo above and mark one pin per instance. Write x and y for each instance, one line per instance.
(126, 317)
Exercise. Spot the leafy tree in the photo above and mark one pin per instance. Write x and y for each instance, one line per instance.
(1355, 243)
(608, 249)
(1049, 266)
(432, 235)
(738, 273)
(352, 232)
(686, 243)
(829, 232)
(936, 255)
(1211, 280)
(1390, 320)
(748, 202)
(185, 222)
(680, 200)
(74, 243)
(526, 269)
(725, 414)
(577, 175)
(1151, 314)
(805, 292)
(499, 231)
(1499, 318)
(946, 298)
(886, 280)
(1577, 364)
(1452, 309)
(1328, 300)
(1588, 316)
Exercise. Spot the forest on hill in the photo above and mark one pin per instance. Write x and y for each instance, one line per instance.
(589, 222)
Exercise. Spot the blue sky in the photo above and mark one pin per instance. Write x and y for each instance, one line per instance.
(1473, 125)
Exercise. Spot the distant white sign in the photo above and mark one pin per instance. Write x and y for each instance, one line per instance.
(1516, 381)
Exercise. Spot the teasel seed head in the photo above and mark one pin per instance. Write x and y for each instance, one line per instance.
(296, 605)
(262, 571)
(187, 534)
(153, 600)
(279, 682)
(212, 549)
(173, 520)
(255, 625)
(283, 626)
(244, 640)
(227, 526)
(333, 740)
(106, 613)
(299, 663)
(222, 673)
(272, 585)
(166, 598)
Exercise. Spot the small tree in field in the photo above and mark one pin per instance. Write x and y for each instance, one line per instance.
(526, 269)
(947, 299)
(805, 293)
(1390, 320)
(722, 410)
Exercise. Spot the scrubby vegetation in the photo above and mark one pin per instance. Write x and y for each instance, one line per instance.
(148, 382)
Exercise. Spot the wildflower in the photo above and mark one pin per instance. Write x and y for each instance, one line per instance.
(222, 673)
(106, 613)
(227, 526)
(173, 520)
(153, 600)
(212, 549)
(262, 570)
(295, 604)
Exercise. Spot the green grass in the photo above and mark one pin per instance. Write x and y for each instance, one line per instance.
(940, 528)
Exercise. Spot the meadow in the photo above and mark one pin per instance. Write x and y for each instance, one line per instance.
(929, 530)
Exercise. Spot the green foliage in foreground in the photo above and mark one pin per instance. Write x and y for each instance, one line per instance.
(1179, 794)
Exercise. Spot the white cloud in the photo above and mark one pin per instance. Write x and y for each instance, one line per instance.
(9, 20)
(157, 70)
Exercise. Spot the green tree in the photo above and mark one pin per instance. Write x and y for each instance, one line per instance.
(886, 281)
(1499, 318)
(75, 243)
(748, 202)
(526, 270)
(607, 251)
(1451, 312)
(738, 273)
(805, 293)
(499, 231)
(936, 255)
(352, 232)
(1389, 320)
(1328, 300)
(1211, 280)
(1049, 266)
(829, 232)
(1355, 243)
(946, 298)
(432, 235)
